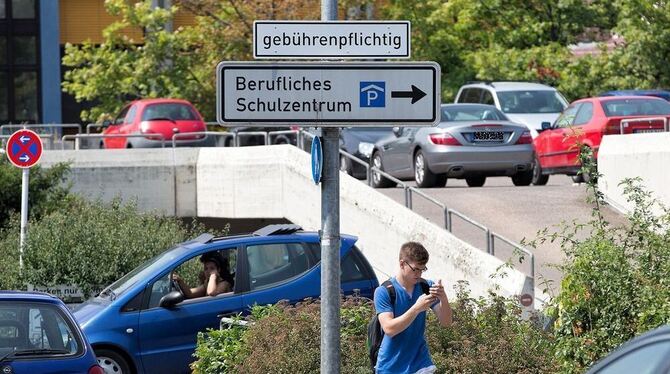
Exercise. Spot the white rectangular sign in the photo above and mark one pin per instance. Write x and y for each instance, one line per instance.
(328, 94)
(331, 39)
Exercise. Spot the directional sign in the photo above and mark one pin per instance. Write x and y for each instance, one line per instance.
(332, 39)
(328, 94)
(317, 159)
(24, 148)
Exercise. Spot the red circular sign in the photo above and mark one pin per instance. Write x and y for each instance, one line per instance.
(526, 299)
(24, 148)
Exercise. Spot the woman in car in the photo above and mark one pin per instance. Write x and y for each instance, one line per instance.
(215, 278)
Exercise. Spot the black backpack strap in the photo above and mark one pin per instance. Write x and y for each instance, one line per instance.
(391, 290)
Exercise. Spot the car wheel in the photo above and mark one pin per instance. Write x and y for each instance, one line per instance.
(422, 174)
(378, 181)
(477, 181)
(538, 178)
(523, 178)
(112, 362)
(345, 165)
(579, 178)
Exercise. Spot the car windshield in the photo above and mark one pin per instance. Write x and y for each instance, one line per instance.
(457, 113)
(545, 101)
(37, 329)
(173, 111)
(636, 107)
(140, 272)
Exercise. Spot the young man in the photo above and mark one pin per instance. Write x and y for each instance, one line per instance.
(404, 348)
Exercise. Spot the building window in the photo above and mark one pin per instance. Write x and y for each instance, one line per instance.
(4, 115)
(2, 9)
(23, 9)
(25, 94)
(25, 50)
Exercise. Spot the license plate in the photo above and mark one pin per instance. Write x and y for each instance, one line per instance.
(489, 136)
(637, 131)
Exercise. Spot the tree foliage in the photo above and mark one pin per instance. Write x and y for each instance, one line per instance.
(46, 190)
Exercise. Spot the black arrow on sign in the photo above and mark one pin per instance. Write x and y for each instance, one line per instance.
(416, 94)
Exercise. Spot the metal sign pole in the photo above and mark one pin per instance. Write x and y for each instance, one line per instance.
(330, 236)
(24, 213)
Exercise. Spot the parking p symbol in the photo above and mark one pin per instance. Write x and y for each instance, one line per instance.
(372, 94)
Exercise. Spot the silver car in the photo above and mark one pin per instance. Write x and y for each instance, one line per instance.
(472, 142)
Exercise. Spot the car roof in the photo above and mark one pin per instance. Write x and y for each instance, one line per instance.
(264, 234)
(512, 86)
(658, 93)
(633, 343)
(160, 101)
(621, 97)
(29, 296)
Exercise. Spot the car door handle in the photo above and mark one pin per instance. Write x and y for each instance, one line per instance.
(226, 314)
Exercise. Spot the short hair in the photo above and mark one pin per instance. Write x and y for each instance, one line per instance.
(415, 252)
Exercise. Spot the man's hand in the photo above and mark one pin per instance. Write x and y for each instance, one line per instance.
(424, 302)
(437, 291)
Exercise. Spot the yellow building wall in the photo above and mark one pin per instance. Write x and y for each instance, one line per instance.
(82, 20)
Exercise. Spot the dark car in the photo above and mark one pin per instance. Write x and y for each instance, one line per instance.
(360, 141)
(142, 323)
(249, 136)
(39, 335)
(647, 353)
(663, 94)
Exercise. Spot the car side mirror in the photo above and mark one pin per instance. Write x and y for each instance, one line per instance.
(546, 125)
(397, 131)
(106, 123)
(171, 299)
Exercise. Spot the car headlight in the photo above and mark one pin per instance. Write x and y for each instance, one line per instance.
(365, 149)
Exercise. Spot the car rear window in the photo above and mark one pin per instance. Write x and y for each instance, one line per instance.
(173, 111)
(472, 113)
(37, 330)
(635, 107)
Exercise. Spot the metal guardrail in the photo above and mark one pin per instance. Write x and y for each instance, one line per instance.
(100, 136)
(448, 212)
(37, 127)
(3, 139)
(205, 133)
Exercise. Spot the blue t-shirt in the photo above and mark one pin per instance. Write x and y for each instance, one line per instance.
(406, 352)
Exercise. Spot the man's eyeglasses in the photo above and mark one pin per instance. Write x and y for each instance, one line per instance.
(422, 270)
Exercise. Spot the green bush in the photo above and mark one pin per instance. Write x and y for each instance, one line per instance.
(487, 337)
(46, 190)
(616, 281)
(89, 244)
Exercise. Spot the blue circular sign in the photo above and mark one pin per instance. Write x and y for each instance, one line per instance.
(317, 159)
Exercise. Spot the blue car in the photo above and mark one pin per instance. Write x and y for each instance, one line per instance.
(656, 93)
(142, 323)
(38, 334)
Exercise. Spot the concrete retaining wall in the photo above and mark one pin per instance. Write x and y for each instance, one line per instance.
(636, 155)
(275, 182)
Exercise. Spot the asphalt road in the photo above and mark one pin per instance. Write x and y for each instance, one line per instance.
(513, 212)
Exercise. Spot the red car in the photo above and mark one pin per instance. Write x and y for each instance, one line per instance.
(161, 118)
(586, 121)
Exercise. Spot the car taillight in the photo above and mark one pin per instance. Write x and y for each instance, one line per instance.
(612, 128)
(525, 138)
(95, 369)
(443, 139)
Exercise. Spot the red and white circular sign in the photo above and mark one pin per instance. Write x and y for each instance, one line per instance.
(24, 148)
